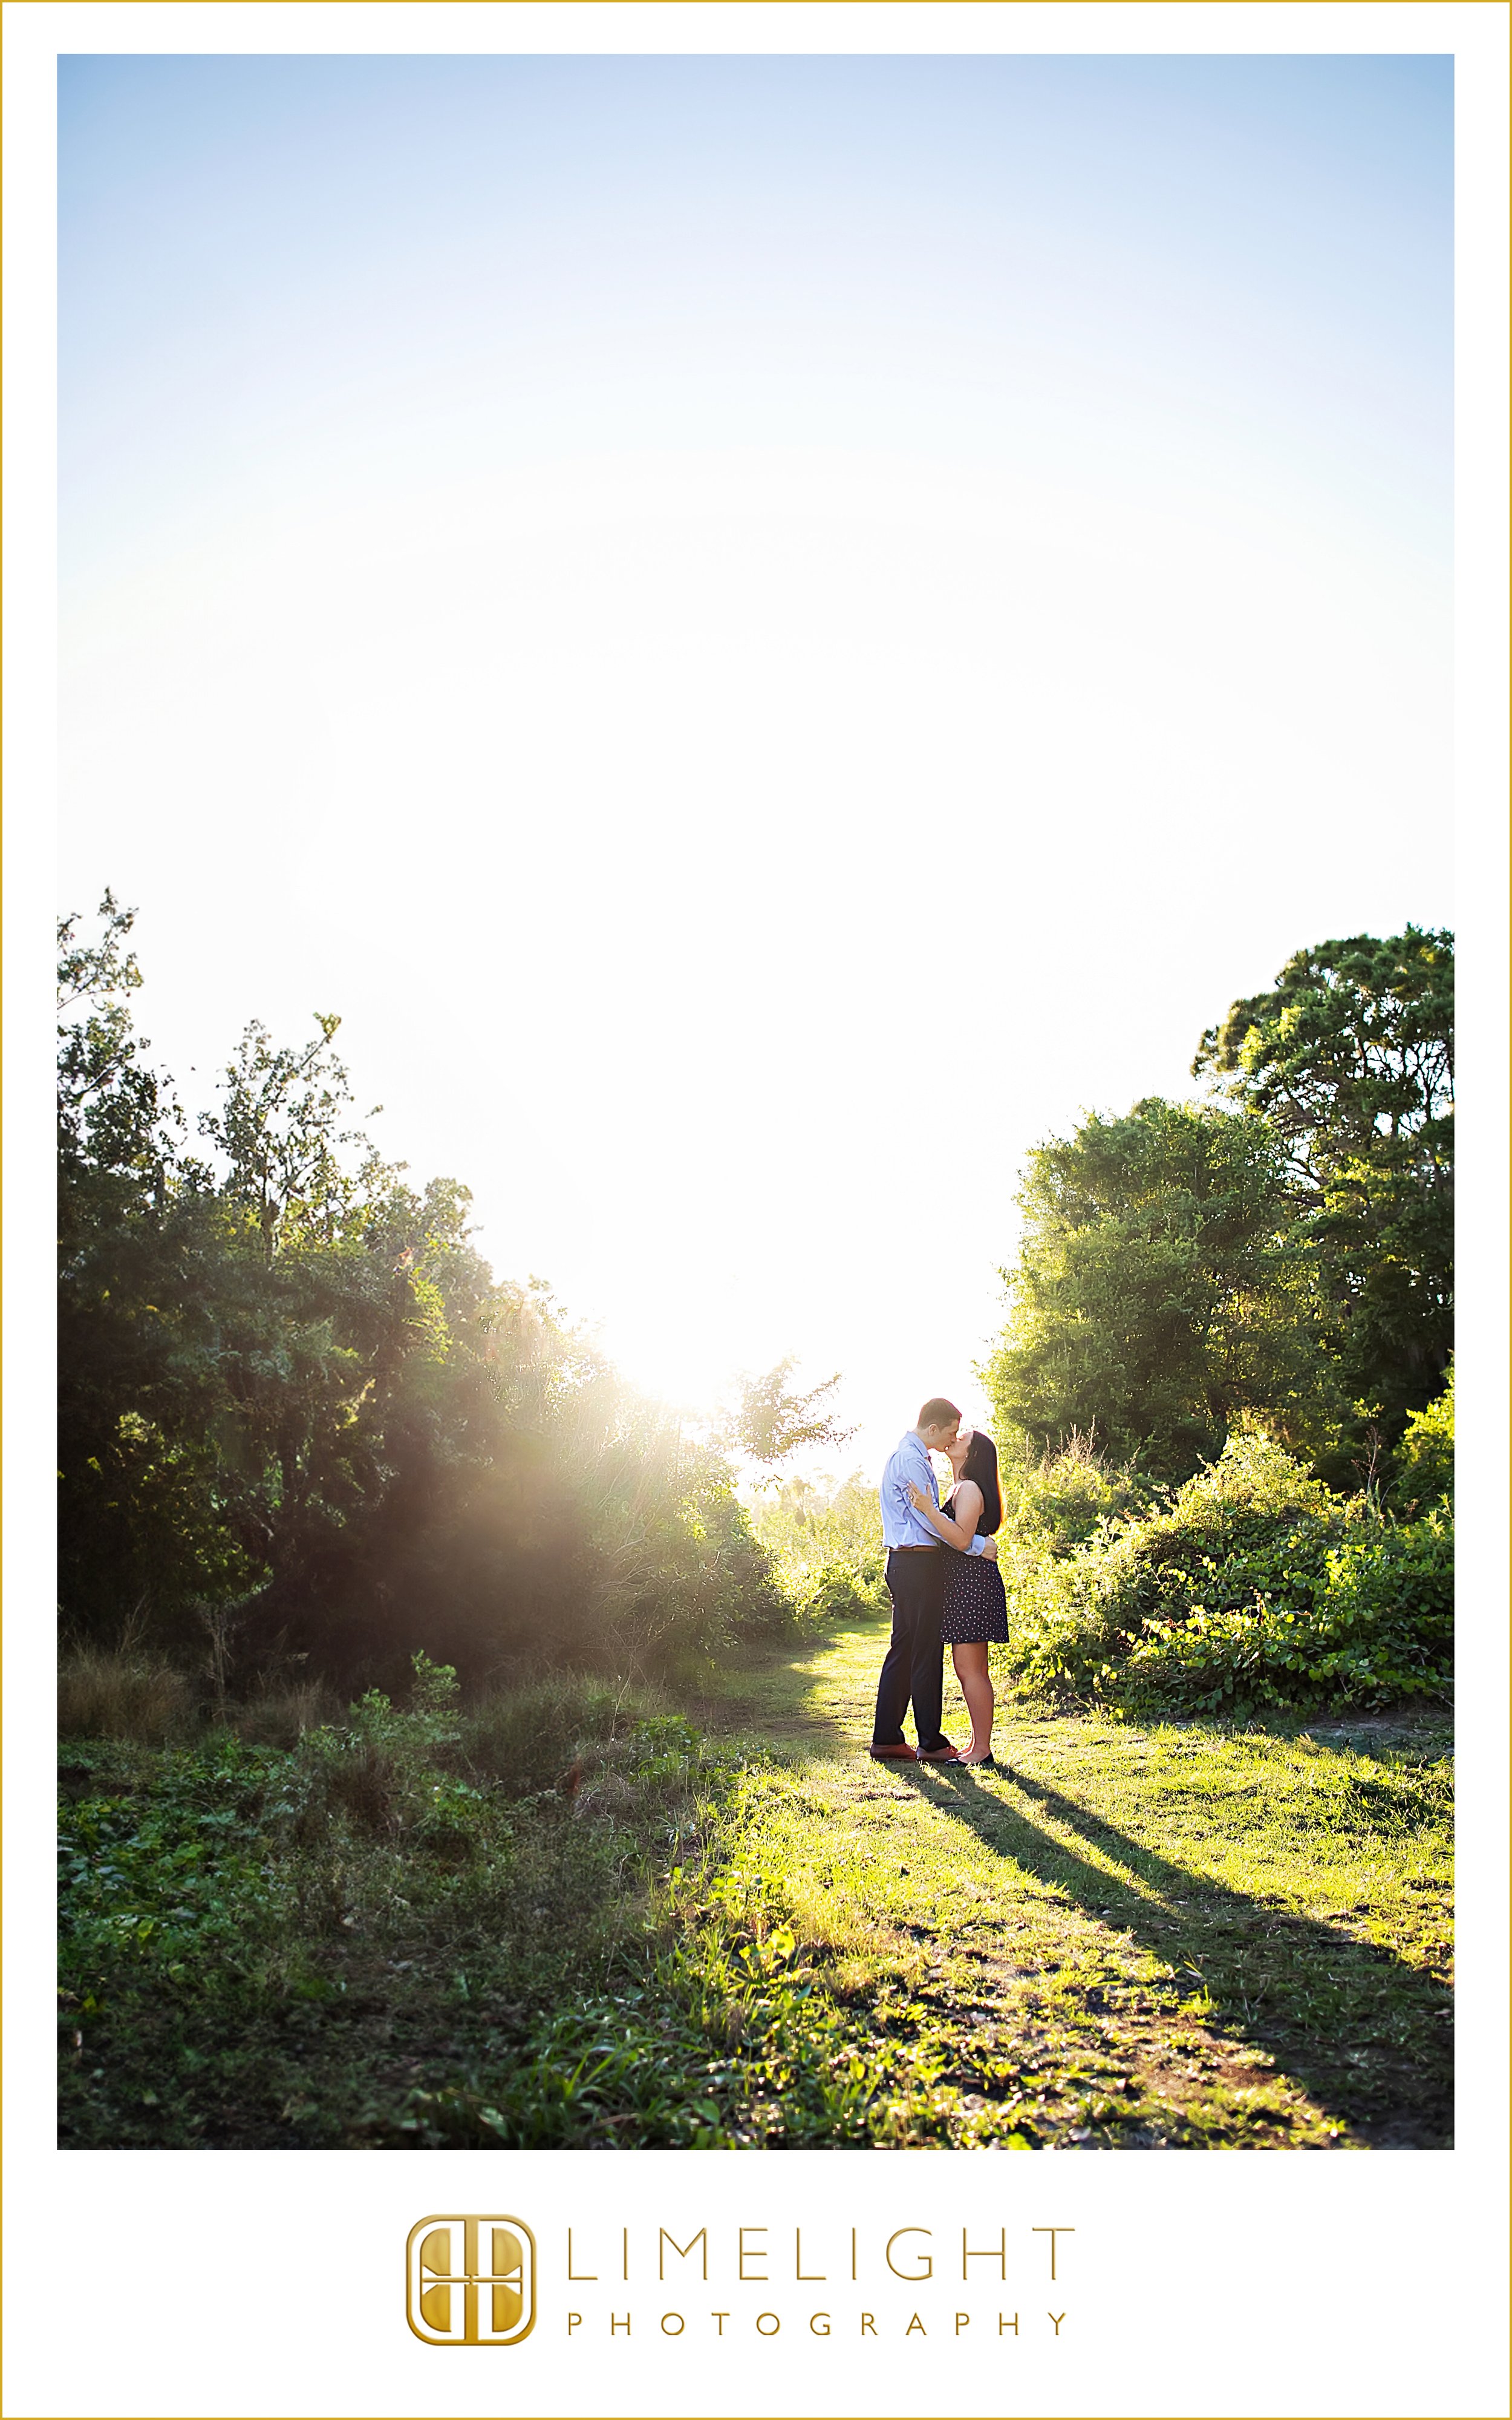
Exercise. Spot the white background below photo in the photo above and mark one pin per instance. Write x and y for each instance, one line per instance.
(242, 2285)
(1187, 2284)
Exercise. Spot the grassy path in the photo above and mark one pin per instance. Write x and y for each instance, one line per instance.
(571, 1916)
(1129, 1937)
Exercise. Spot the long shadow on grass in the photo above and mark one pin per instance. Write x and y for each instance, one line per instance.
(1358, 2028)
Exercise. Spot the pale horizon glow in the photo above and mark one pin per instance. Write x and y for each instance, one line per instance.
(767, 632)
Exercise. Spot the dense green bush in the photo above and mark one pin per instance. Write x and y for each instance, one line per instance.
(1253, 1589)
(1378, 1629)
(1055, 1502)
(848, 1589)
(1422, 1466)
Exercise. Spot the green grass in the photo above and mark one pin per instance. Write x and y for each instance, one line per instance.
(576, 1917)
(1140, 1937)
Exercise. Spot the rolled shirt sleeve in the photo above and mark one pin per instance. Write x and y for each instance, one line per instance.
(898, 1519)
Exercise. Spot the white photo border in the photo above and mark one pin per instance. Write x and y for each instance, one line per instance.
(1216, 2283)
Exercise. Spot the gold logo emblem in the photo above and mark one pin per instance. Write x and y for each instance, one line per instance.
(470, 2280)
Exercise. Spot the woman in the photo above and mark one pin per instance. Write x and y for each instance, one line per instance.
(976, 1607)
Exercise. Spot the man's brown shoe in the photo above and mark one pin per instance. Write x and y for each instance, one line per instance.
(944, 1753)
(902, 1753)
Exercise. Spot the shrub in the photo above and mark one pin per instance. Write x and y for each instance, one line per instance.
(1255, 1588)
(1423, 1469)
(1252, 1520)
(844, 1590)
(1060, 1502)
(1379, 1629)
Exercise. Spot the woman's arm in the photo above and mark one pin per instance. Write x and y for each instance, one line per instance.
(969, 1499)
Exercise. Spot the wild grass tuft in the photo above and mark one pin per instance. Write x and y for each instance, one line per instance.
(123, 1693)
(278, 1716)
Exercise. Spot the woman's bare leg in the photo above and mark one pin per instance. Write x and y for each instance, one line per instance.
(971, 1661)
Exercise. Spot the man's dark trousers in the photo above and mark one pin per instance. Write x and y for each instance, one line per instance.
(912, 1667)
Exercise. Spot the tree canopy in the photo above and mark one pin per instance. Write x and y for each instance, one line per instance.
(1280, 1253)
(296, 1408)
(1350, 1060)
(1161, 1291)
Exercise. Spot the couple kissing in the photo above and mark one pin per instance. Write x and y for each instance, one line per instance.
(945, 1585)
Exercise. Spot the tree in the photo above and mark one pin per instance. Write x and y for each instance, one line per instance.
(116, 1116)
(297, 1411)
(773, 1421)
(279, 1129)
(1350, 1059)
(233, 1348)
(1161, 1291)
(135, 1527)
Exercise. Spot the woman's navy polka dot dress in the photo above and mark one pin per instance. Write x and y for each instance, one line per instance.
(976, 1601)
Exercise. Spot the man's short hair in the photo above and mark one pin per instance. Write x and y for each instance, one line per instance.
(937, 1413)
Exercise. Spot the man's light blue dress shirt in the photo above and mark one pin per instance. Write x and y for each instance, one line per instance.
(900, 1525)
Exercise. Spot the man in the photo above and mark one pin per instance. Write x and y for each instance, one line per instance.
(916, 1583)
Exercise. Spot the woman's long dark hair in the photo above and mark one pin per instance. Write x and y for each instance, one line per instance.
(981, 1464)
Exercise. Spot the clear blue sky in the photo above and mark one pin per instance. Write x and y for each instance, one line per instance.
(766, 629)
(260, 249)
